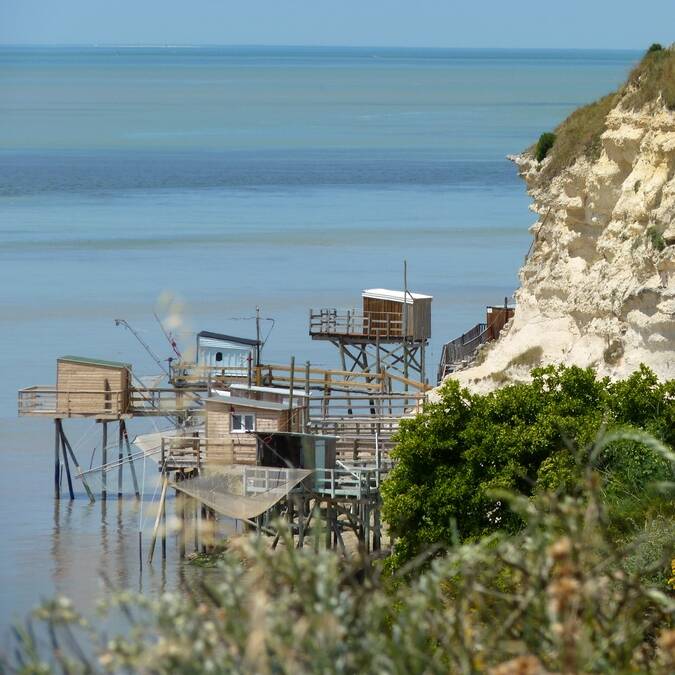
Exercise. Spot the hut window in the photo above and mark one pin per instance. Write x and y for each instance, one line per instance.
(219, 356)
(242, 423)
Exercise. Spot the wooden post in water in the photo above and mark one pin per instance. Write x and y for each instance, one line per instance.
(119, 460)
(66, 466)
(104, 460)
(131, 460)
(162, 500)
(66, 444)
(57, 459)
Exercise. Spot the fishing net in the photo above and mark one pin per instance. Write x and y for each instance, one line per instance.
(241, 492)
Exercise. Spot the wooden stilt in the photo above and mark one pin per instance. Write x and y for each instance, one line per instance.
(182, 534)
(57, 459)
(162, 499)
(132, 466)
(196, 525)
(164, 532)
(66, 466)
(104, 460)
(120, 463)
(66, 443)
(204, 528)
(377, 528)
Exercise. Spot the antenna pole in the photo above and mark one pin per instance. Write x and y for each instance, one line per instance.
(258, 348)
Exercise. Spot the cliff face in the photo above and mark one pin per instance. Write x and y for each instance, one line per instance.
(598, 287)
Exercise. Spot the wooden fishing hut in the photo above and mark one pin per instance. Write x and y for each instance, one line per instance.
(219, 358)
(231, 416)
(390, 330)
(85, 388)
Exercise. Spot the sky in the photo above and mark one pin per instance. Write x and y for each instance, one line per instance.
(602, 24)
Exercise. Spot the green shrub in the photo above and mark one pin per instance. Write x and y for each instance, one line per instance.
(654, 47)
(452, 456)
(544, 144)
(656, 239)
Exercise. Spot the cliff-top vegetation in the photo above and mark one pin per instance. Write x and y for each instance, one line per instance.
(579, 135)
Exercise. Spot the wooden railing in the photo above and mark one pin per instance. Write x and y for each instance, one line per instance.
(347, 482)
(48, 401)
(394, 405)
(353, 322)
(182, 452)
(200, 377)
(462, 348)
(160, 401)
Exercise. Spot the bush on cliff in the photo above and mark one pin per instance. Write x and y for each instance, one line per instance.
(526, 437)
(544, 144)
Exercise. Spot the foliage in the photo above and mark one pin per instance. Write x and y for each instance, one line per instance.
(544, 144)
(654, 47)
(656, 239)
(452, 456)
(552, 598)
(579, 134)
(654, 76)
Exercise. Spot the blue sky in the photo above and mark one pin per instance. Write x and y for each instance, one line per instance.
(419, 23)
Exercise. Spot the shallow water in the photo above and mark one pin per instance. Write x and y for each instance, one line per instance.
(287, 178)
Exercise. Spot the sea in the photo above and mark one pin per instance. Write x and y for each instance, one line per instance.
(198, 183)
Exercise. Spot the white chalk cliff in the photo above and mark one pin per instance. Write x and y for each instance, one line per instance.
(598, 287)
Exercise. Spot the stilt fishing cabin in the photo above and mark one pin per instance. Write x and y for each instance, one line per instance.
(391, 331)
(218, 357)
(234, 417)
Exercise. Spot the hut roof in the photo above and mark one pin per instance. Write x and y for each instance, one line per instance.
(395, 296)
(229, 338)
(94, 362)
(247, 403)
(241, 386)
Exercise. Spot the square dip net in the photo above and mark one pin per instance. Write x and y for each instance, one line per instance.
(241, 492)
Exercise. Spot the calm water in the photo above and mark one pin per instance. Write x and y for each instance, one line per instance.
(286, 178)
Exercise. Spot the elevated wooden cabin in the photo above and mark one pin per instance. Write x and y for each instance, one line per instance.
(410, 311)
(231, 421)
(92, 387)
(226, 353)
(386, 315)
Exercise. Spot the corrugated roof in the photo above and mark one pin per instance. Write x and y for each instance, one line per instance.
(241, 386)
(396, 296)
(229, 338)
(95, 362)
(248, 402)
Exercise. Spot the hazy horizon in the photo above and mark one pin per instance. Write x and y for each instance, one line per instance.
(434, 24)
(261, 45)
